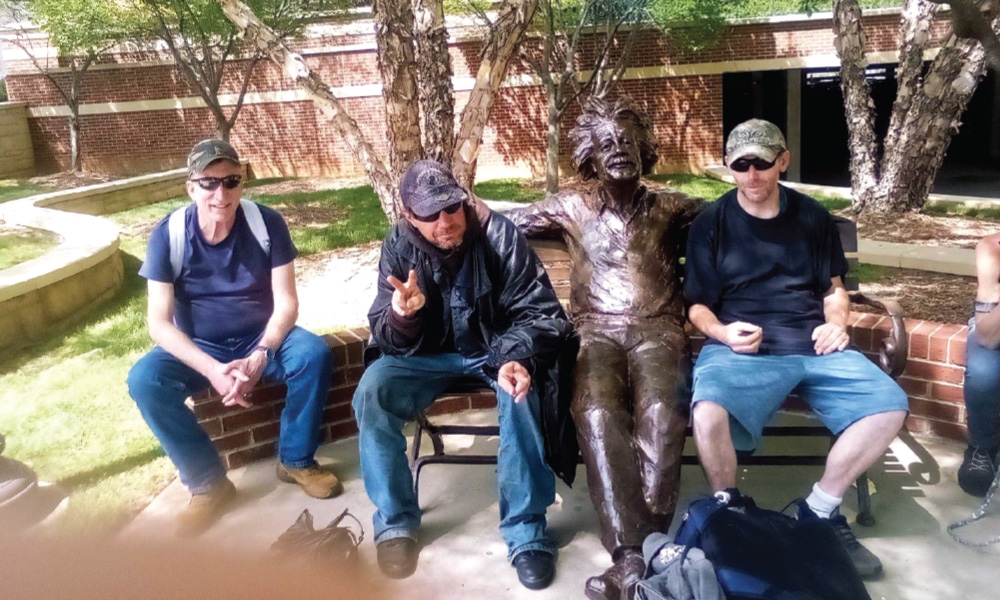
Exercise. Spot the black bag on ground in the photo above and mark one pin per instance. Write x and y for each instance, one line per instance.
(763, 554)
(334, 544)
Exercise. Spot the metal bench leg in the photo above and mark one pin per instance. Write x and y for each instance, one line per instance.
(865, 516)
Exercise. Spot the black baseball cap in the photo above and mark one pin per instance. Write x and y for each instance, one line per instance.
(428, 187)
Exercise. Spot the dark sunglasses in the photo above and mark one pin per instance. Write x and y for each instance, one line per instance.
(210, 184)
(742, 165)
(434, 217)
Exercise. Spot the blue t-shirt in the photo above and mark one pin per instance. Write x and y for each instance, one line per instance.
(223, 293)
(772, 273)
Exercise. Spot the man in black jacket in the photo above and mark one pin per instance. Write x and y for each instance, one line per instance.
(460, 294)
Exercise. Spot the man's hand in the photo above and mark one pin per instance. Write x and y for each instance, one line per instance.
(242, 384)
(407, 299)
(515, 380)
(743, 338)
(830, 337)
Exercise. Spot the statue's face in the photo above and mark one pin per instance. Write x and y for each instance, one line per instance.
(616, 152)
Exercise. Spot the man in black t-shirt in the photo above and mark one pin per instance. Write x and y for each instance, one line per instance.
(764, 283)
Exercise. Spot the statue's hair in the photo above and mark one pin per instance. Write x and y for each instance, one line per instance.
(598, 111)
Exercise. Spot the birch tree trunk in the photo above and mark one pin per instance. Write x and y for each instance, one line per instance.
(899, 175)
(512, 21)
(398, 68)
(258, 35)
(437, 101)
(395, 44)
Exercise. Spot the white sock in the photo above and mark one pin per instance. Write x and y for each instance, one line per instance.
(821, 503)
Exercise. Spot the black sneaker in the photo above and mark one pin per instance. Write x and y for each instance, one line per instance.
(867, 564)
(977, 471)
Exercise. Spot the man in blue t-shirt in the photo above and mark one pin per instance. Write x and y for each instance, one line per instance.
(764, 283)
(222, 308)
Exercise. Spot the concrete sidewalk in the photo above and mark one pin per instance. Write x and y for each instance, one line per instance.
(464, 557)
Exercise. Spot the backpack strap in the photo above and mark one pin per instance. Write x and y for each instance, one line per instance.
(256, 221)
(176, 231)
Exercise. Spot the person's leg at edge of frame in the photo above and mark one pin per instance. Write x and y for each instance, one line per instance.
(527, 488)
(304, 363)
(982, 403)
(391, 391)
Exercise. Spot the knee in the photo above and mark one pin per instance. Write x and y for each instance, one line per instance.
(313, 354)
(591, 414)
(141, 383)
(708, 419)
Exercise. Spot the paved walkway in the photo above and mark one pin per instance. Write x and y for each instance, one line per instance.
(463, 556)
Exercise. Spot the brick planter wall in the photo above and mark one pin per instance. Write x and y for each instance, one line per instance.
(933, 381)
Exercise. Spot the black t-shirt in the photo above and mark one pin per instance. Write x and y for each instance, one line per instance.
(769, 272)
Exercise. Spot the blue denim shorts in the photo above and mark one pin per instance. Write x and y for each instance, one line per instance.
(841, 388)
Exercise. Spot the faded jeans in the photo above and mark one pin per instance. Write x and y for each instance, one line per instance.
(160, 383)
(982, 392)
(392, 391)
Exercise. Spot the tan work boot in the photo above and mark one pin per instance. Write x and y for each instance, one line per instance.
(205, 509)
(315, 481)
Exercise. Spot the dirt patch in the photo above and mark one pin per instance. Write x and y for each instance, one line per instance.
(923, 229)
(68, 179)
(925, 295)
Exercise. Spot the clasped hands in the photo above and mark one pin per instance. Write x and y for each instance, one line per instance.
(745, 338)
(234, 380)
(407, 299)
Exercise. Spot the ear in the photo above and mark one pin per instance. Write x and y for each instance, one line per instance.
(784, 160)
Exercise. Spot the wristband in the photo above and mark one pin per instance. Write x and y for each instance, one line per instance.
(984, 307)
(268, 353)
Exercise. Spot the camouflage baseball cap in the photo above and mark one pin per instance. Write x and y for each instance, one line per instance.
(428, 186)
(207, 152)
(755, 137)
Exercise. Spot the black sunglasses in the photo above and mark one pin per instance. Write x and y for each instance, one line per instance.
(434, 217)
(210, 184)
(742, 165)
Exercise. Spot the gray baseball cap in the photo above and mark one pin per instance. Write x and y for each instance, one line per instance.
(207, 152)
(428, 187)
(755, 137)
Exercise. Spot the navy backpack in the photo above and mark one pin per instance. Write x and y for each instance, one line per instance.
(764, 554)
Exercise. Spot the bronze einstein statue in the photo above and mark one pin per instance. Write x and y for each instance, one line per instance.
(630, 403)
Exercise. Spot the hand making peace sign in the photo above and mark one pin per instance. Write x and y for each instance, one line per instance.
(407, 299)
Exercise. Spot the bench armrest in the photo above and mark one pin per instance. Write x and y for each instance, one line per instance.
(894, 348)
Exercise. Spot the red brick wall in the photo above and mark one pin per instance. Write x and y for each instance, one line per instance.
(932, 379)
(292, 138)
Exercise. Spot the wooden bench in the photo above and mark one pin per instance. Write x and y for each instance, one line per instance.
(891, 349)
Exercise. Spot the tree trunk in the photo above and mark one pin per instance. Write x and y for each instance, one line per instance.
(434, 69)
(926, 113)
(260, 36)
(552, 139)
(858, 106)
(512, 21)
(74, 138)
(396, 62)
(913, 163)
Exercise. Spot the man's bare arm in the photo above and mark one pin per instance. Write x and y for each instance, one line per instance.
(988, 290)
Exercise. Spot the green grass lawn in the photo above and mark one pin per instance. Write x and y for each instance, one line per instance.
(23, 245)
(12, 189)
(64, 406)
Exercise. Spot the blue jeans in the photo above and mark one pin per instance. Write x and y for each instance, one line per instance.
(391, 392)
(982, 393)
(160, 383)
